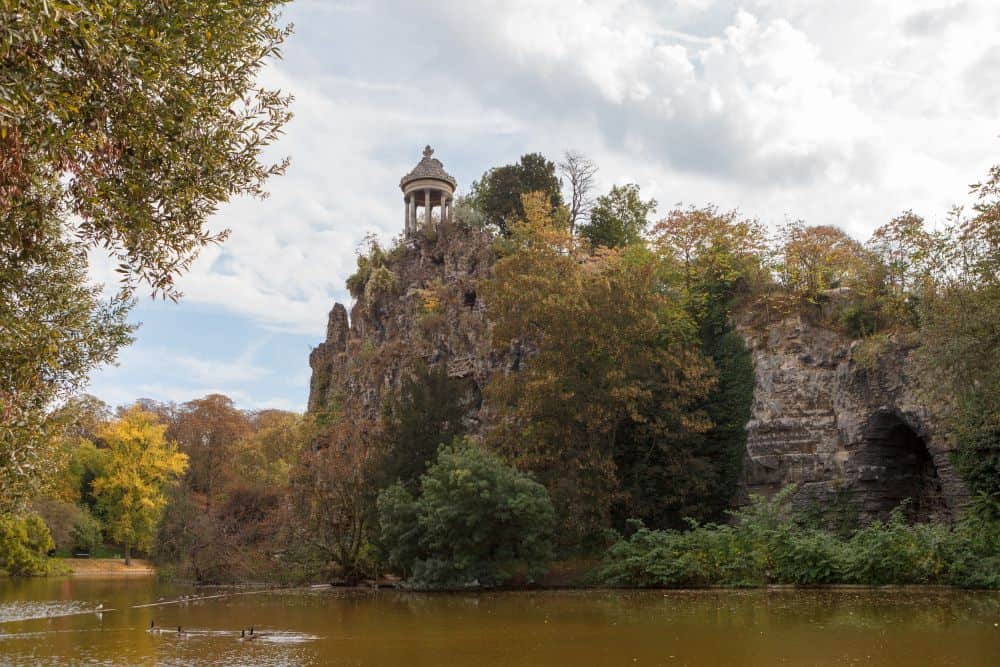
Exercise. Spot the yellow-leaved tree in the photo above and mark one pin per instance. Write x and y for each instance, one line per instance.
(140, 463)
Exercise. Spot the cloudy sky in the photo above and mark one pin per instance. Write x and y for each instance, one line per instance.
(840, 113)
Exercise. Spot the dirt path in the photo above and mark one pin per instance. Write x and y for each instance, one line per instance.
(108, 567)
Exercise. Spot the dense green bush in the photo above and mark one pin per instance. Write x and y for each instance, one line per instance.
(767, 543)
(475, 520)
(807, 557)
(24, 543)
(976, 555)
(698, 557)
(86, 532)
(892, 552)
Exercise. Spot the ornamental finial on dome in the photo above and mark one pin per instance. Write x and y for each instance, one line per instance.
(429, 168)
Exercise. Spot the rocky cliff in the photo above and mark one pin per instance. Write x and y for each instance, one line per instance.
(845, 422)
(849, 428)
(428, 311)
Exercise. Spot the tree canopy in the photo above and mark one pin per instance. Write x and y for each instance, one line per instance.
(136, 119)
(54, 328)
(123, 126)
(140, 463)
(617, 371)
(207, 430)
(619, 218)
(498, 193)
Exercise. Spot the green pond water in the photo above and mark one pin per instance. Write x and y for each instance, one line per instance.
(54, 622)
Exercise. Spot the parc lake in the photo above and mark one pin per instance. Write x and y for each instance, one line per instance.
(52, 621)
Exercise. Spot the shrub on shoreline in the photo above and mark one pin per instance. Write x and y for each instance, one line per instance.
(24, 543)
(767, 545)
(476, 521)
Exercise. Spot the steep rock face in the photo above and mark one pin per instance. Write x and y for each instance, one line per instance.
(431, 314)
(842, 429)
(845, 428)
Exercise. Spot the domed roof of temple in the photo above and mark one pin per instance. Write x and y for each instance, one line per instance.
(428, 167)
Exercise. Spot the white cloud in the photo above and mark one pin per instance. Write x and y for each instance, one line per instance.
(832, 112)
(837, 113)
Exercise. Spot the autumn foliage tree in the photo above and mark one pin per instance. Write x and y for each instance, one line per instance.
(208, 431)
(814, 259)
(227, 521)
(715, 250)
(960, 351)
(498, 193)
(123, 126)
(722, 259)
(613, 379)
(140, 463)
(906, 261)
(333, 491)
(263, 457)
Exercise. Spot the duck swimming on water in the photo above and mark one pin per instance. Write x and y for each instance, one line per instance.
(154, 629)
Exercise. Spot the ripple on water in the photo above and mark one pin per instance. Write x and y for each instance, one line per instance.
(287, 637)
(261, 635)
(33, 609)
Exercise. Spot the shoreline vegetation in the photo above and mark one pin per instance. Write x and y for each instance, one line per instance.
(767, 543)
(145, 569)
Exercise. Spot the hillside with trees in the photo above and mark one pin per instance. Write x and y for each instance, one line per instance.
(531, 382)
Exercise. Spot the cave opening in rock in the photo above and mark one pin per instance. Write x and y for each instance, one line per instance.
(896, 466)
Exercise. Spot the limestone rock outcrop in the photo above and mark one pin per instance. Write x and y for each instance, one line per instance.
(845, 426)
(430, 313)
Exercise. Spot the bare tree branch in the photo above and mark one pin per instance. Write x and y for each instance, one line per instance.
(579, 172)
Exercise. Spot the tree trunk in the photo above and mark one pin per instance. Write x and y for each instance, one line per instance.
(128, 553)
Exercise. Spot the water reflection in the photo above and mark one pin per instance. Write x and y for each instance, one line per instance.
(53, 622)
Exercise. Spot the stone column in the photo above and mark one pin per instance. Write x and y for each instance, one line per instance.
(446, 210)
(413, 213)
(406, 216)
(427, 207)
